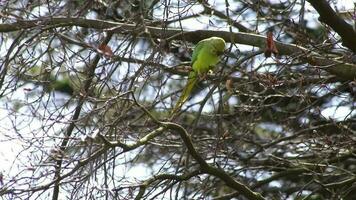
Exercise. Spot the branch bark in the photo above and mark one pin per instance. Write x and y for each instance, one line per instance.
(329, 16)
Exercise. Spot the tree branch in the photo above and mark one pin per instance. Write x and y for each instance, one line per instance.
(342, 70)
(329, 16)
(204, 166)
(183, 177)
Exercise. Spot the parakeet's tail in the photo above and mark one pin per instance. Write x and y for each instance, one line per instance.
(192, 80)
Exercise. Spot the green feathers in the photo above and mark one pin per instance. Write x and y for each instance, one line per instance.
(205, 56)
(192, 80)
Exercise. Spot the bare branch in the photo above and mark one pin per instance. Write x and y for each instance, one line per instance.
(329, 16)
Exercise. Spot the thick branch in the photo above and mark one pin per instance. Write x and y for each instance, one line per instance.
(329, 16)
(148, 182)
(342, 70)
(204, 166)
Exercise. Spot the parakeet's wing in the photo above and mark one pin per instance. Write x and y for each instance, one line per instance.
(196, 51)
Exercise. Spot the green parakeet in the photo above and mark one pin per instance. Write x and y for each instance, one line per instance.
(205, 56)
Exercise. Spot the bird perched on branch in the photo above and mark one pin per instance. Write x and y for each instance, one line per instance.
(205, 56)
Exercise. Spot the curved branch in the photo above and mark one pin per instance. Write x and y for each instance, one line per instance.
(204, 166)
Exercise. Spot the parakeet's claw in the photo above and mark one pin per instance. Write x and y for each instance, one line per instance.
(202, 77)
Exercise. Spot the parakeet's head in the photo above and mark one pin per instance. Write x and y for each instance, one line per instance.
(218, 44)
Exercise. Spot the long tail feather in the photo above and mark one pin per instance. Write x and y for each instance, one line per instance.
(192, 80)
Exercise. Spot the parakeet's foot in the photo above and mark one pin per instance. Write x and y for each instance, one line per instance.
(202, 77)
